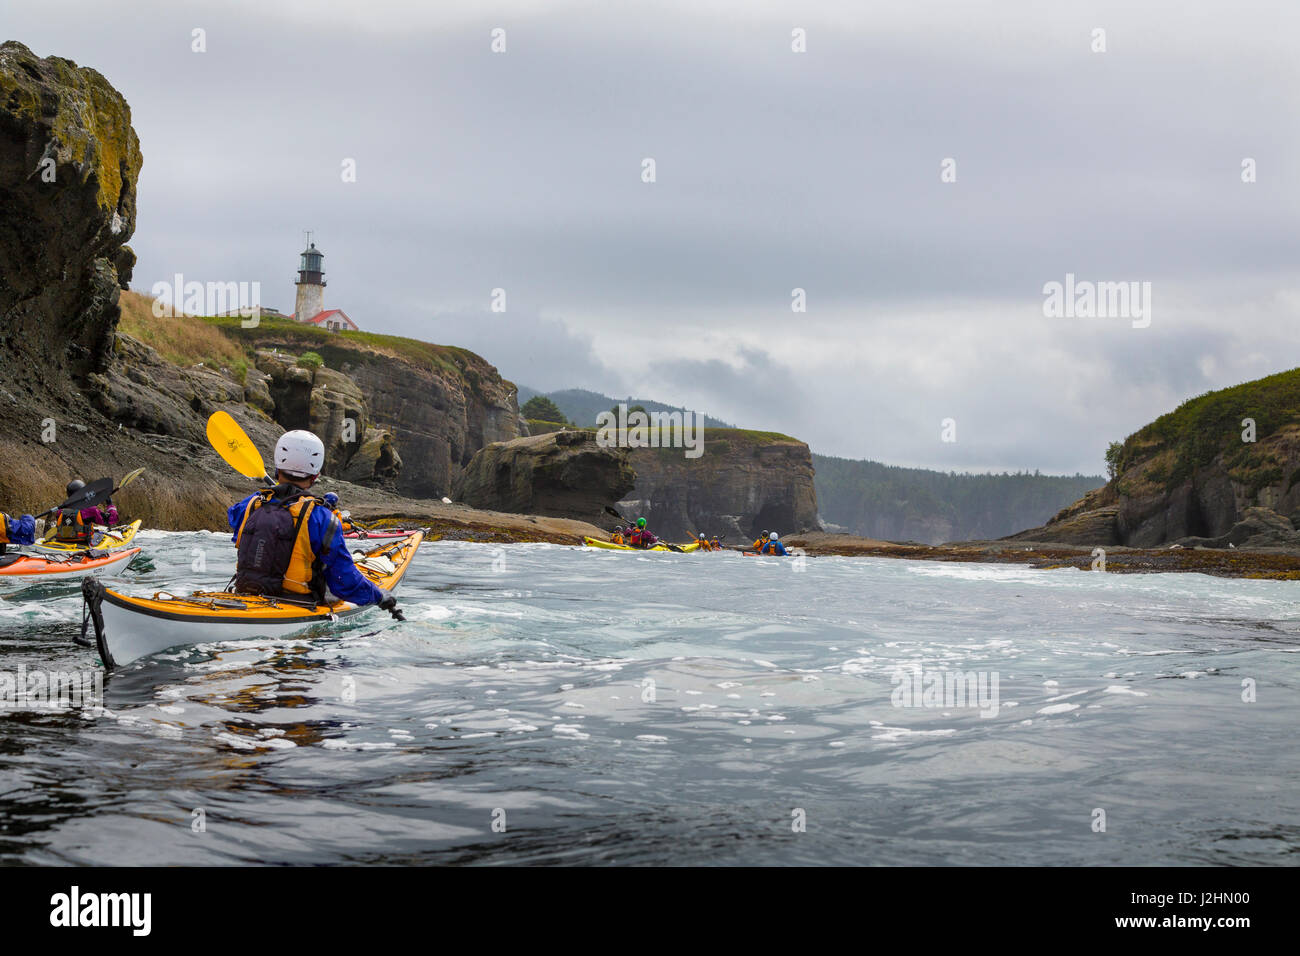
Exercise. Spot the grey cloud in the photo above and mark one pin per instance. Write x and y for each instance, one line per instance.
(774, 170)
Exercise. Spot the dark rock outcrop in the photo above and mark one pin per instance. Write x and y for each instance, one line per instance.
(562, 474)
(69, 160)
(439, 419)
(331, 405)
(1259, 528)
(1193, 478)
(145, 393)
(743, 483)
(438, 404)
(376, 460)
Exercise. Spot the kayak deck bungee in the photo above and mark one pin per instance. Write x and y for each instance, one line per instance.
(20, 569)
(128, 628)
(106, 539)
(610, 545)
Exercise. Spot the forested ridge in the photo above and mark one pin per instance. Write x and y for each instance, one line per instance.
(916, 504)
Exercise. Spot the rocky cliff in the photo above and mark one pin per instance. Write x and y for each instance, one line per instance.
(562, 474)
(429, 407)
(81, 397)
(69, 160)
(745, 482)
(1223, 468)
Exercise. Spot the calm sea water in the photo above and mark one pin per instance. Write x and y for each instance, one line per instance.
(546, 704)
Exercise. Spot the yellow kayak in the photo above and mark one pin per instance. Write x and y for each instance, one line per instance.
(597, 543)
(128, 628)
(106, 539)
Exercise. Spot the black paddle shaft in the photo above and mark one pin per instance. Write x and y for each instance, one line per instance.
(87, 497)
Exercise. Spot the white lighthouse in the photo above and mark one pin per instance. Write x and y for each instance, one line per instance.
(311, 285)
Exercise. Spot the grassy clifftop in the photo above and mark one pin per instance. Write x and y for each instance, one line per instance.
(222, 342)
(1169, 450)
(181, 339)
(743, 437)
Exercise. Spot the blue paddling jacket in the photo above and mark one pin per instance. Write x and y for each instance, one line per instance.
(17, 529)
(341, 574)
(774, 547)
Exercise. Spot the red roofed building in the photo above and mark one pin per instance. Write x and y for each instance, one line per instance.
(336, 320)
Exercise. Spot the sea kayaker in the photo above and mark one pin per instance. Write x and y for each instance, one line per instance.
(717, 545)
(16, 529)
(641, 536)
(616, 536)
(773, 545)
(345, 517)
(105, 514)
(77, 525)
(288, 543)
(704, 542)
(760, 541)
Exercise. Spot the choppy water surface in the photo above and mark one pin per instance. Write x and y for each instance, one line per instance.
(676, 709)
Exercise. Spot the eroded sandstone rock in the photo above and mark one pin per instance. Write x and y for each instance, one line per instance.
(561, 474)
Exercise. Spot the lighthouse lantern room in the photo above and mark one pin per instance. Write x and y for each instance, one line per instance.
(310, 301)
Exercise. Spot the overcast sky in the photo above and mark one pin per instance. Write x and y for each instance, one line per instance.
(775, 170)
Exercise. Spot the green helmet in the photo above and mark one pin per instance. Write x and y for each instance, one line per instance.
(640, 522)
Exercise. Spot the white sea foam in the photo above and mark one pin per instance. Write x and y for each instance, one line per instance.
(1058, 709)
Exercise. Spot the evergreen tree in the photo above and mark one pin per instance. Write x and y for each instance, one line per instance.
(542, 409)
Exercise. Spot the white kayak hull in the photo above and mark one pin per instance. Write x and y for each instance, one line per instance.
(128, 628)
(136, 634)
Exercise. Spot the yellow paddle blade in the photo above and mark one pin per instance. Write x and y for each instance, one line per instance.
(129, 478)
(234, 446)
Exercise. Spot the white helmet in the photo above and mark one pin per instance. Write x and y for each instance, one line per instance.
(299, 454)
(774, 536)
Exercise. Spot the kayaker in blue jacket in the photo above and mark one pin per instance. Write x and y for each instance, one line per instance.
(16, 529)
(290, 542)
(773, 545)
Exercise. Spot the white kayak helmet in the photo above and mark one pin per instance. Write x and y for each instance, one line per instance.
(299, 454)
(774, 536)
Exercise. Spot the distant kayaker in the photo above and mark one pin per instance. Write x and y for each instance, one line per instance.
(16, 529)
(773, 545)
(77, 526)
(345, 517)
(290, 543)
(760, 541)
(616, 536)
(704, 542)
(641, 536)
